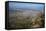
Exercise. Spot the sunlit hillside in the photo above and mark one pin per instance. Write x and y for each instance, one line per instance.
(26, 19)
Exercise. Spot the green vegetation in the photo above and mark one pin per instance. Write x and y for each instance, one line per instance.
(19, 21)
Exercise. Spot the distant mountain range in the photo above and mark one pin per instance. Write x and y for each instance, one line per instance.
(32, 12)
(22, 10)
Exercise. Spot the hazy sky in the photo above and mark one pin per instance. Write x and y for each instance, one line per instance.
(13, 6)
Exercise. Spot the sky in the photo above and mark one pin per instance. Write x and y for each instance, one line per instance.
(14, 6)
